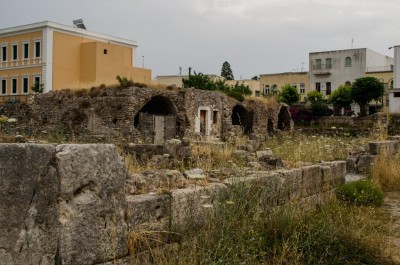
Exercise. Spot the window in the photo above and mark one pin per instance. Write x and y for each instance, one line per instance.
(3, 86)
(274, 89)
(257, 93)
(37, 79)
(37, 49)
(266, 90)
(391, 84)
(318, 87)
(396, 94)
(4, 53)
(25, 51)
(328, 88)
(15, 52)
(294, 85)
(302, 88)
(347, 62)
(318, 64)
(328, 63)
(25, 85)
(105, 51)
(215, 116)
(14, 86)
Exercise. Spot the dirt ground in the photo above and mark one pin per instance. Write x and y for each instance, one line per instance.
(392, 206)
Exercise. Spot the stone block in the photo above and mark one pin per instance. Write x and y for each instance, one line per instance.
(289, 186)
(28, 204)
(150, 212)
(351, 162)
(364, 164)
(379, 147)
(192, 206)
(311, 180)
(92, 203)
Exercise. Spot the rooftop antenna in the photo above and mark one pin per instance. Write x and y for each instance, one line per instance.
(180, 70)
(302, 66)
(79, 23)
(352, 42)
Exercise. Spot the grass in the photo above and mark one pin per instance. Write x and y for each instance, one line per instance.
(386, 171)
(239, 231)
(296, 147)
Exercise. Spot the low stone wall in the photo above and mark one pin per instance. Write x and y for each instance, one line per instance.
(66, 204)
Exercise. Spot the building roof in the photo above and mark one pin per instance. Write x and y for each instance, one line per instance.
(285, 73)
(66, 29)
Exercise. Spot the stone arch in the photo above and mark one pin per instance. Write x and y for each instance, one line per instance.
(242, 117)
(157, 121)
(284, 119)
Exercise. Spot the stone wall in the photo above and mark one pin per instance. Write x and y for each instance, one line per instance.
(66, 204)
(114, 112)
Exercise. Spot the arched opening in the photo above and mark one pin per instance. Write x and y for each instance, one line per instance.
(284, 119)
(347, 62)
(156, 120)
(243, 118)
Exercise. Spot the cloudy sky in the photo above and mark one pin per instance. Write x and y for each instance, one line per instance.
(254, 36)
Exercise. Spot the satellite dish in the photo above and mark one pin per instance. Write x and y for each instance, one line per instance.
(79, 23)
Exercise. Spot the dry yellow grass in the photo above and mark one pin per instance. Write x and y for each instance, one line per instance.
(386, 171)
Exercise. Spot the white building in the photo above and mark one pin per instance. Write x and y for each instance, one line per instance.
(330, 69)
(394, 94)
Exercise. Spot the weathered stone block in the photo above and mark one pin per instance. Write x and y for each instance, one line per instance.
(92, 203)
(364, 163)
(191, 206)
(28, 204)
(150, 212)
(311, 180)
(339, 172)
(351, 162)
(289, 186)
(379, 147)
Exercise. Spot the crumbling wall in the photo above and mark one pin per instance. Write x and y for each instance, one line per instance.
(66, 204)
(114, 112)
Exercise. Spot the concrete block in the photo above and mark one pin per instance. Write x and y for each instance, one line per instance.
(364, 164)
(379, 147)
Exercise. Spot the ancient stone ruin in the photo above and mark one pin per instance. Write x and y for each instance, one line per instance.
(145, 115)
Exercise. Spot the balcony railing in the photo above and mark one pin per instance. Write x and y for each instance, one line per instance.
(322, 69)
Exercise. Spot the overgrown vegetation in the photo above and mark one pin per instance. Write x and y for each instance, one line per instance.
(289, 95)
(362, 192)
(239, 231)
(204, 82)
(386, 171)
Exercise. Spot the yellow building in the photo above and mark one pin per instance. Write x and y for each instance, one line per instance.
(386, 77)
(60, 56)
(271, 83)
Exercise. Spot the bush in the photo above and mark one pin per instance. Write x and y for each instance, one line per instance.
(301, 115)
(362, 192)
(124, 82)
(289, 95)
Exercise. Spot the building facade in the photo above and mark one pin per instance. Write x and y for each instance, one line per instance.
(330, 69)
(60, 56)
(272, 83)
(394, 93)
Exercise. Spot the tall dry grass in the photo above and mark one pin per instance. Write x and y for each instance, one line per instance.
(386, 171)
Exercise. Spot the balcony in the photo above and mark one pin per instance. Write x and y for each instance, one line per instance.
(321, 69)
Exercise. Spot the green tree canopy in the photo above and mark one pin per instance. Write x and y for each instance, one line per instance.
(226, 71)
(341, 98)
(289, 95)
(366, 89)
(199, 81)
(315, 96)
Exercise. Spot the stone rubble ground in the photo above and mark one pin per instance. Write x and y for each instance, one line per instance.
(392, 206)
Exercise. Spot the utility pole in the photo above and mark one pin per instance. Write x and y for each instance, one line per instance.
(190, 71)
(142, 61)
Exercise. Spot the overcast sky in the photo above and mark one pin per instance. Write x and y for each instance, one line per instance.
(254, 36)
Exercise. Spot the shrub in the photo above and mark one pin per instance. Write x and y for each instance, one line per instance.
(386, 172)
(289, 95)
(315, 96)
(301, 115)
(341, 98)
(124, 82)
(362, 192)
(38, 88)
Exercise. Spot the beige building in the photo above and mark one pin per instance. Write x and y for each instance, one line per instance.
(60, 56)
(386, 77)
(272, 83)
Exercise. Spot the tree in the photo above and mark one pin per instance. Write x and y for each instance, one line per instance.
(318, 104)
(365, 89)
(199, 81)
(226, 71)
(256, 77)
(289, 95)
(38, 88)
(341, 98)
